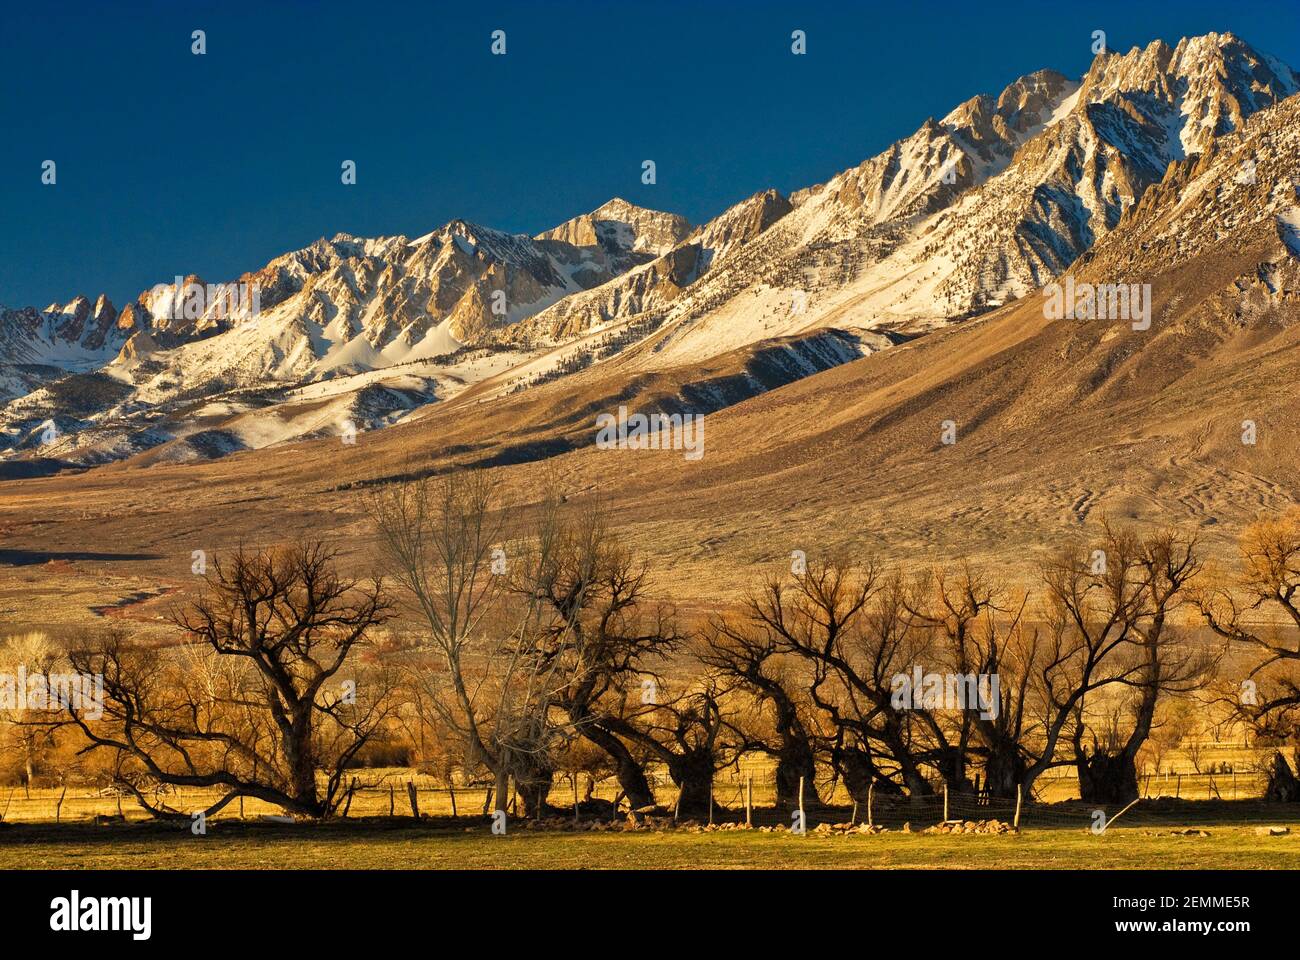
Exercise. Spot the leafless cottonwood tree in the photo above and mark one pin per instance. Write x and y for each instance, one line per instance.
(496, 655)
(1163, 565)
(862, 635)
(978, 632)
(607, 643)
(27, 737)
(779, 720)
(850, 626)
(1109, 641)
(255, 702)
(601, 636)
(1259, 614)
(690, 730)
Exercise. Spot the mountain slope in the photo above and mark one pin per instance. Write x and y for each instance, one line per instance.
(968, 213)
(1057, 424)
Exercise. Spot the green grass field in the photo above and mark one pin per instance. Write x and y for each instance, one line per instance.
(386, 844)
(1055, 833)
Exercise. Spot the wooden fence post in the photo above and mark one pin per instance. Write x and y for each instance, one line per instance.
(451, 789)
(803, 819)
(390, 799)
(414, 798)
(1020, 792)
(575, 797)
(749, 800)
(58, 807)
(710, 799)
(871, 795)
(945, 803)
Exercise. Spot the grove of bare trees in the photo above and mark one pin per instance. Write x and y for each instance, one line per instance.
(513, 647)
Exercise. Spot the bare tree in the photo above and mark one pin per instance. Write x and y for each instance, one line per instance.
(27, 732)
(779, 722)
(851, 626)
(1259, 614)
(1110, 638)
(978, 634)
(494, 667)
(256, 702)
(691, 731)
(602, 637)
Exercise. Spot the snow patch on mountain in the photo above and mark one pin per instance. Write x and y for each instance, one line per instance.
(1288, 228)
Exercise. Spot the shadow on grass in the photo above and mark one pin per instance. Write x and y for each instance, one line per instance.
(1071, 816)
(27, 558)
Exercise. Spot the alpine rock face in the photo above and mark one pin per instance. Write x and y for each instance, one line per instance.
(968, 213)
(359, 330)
(971, 211)
(38, 345)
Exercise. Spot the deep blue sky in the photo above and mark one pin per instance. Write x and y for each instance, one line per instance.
(172, 163)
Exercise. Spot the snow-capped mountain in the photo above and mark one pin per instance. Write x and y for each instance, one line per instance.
(619, 226)
(40, 345)
(1132, 116)
(339, 310)
(969, 212)
(651, 289)
(1225, 224)
(351, 304)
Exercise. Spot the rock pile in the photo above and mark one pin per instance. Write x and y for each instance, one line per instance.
(663, 824)
(971, 826)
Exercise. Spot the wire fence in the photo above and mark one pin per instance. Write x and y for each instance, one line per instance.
(405, 793)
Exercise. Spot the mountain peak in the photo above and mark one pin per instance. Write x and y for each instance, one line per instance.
(619, 205)
(622, 227)
(1218, 77)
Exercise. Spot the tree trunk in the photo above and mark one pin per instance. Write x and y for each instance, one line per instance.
(301, 761)
(534, 780)
(631, 775)
(1107, 778)
(1282, 783)
(795, 761)
(693, 774)
(501, 794)
(794, 764)
(858, 771)
(1004, 770)
(952, 768)
(898, 748)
